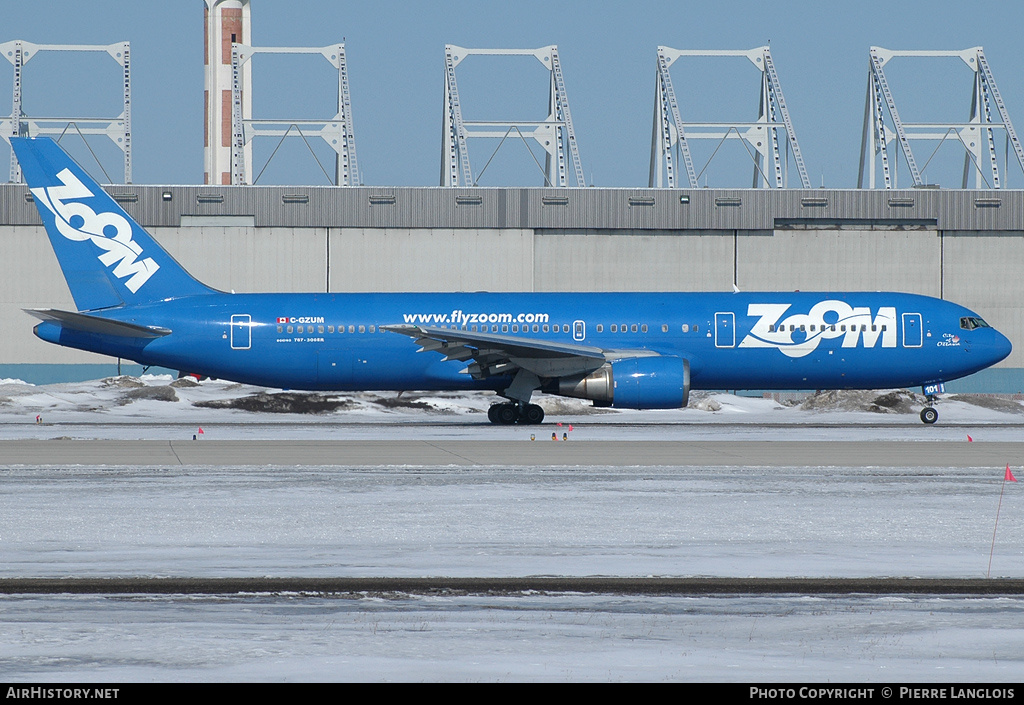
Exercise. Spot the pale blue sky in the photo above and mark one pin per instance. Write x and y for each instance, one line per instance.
(395, 56)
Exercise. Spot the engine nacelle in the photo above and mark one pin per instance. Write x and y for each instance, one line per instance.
(660, 382)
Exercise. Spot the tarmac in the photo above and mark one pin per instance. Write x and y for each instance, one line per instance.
(498, 453)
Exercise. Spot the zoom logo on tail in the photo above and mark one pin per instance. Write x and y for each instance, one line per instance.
(110, 232)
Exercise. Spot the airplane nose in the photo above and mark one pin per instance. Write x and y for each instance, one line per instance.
(1001, 348)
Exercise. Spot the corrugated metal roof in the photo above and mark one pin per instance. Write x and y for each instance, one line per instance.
(545, 208)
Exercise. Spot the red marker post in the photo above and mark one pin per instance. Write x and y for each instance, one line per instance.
(1007, 477)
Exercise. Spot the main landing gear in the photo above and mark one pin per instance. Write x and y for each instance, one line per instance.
(512, 412)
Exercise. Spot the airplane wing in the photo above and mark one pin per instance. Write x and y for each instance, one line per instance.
(95, 324)
(494, 354)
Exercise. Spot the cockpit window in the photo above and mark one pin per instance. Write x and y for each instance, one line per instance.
(972, 322)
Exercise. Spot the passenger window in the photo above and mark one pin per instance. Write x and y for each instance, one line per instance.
(546, 328)
(291, 329)
(280, 329)
(362, 329)
(319, 329)
(351, 329)
(504, 328)
(536, 328)
(696, 328)
(600, 328)
(615, 328)
(633, 327)
(515, 328)
(771, 327)
(299, 329)
(686, 327)
(664, 327)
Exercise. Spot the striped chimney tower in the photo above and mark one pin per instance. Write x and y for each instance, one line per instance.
(225, 21)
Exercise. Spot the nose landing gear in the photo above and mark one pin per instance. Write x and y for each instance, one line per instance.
(931, 391)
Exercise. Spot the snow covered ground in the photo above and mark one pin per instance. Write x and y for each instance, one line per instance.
(351, 521)
(157, 407)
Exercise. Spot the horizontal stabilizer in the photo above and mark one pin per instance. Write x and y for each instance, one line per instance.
(86, 323)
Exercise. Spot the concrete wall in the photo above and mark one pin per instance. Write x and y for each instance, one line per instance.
(249, 259)
(31, 278)
(985, 272)
(419, 259)
(622, 260)
(841, 260)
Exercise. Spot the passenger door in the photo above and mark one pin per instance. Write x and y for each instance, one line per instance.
(725, 329)
(912, 336)
(241, 331)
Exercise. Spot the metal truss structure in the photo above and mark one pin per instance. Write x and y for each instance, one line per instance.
(19, 123)
(555, 134)
(975, 135)
(773, 127)
(338, 132)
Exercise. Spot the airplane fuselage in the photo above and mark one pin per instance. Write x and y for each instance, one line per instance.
(799, 340)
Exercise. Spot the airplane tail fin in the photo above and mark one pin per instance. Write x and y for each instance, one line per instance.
(107, 258)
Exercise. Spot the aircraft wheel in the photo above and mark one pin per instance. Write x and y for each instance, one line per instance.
(506, 414)
(532, 414)
(929, 415)
(492, 413)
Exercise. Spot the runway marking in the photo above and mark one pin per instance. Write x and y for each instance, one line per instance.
(170, 444)
(460, 457)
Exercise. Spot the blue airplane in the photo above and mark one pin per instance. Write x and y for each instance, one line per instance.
(629, 350)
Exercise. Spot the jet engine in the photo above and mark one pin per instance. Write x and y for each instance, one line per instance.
(657, 382)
